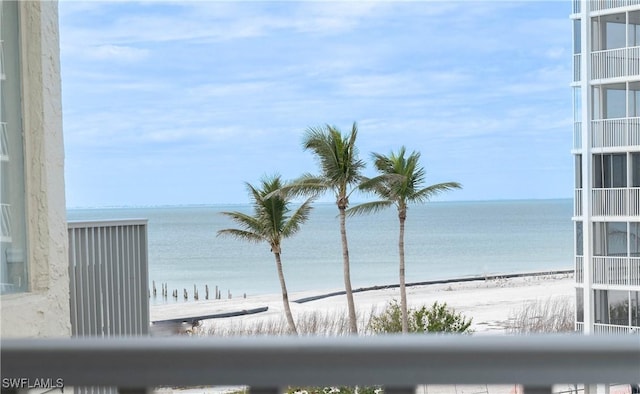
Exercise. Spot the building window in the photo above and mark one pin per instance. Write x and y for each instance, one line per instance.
(610, 170)
(577, 38)
(635, 169)
(578, 171)
(610, 239)
(612, 307)
(580, 305)
(634, 239)
(634, 29)
(634, 296)
(609, 32)
(13, 270)
(579, 241)
(634, 99)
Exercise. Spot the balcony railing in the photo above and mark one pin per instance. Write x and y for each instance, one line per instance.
(634, 201)
(610, 202)
(613, 63)
(623, 271)
(615, 201)
(601, 328)
(615, 132)
(576, 67)
(577, 202)
(400, 363)
(575, 6)
(597, 5)
(579, 267)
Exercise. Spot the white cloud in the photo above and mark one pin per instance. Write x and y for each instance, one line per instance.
(117, 53)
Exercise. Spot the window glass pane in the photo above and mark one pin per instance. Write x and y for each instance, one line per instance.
(634, 99)
(619, 170)
(634, 239)
(611, 307)
(635, 308)
(599, 239)
(580, 305)
(596, 109)
(616, 239)
(618, 307)
(598, 171)
(601, 305)
(578, 171)
(614, 31)
(577, 42)
(634, 28)
(635, 169)
(13, 269)
(615, 101)
(579, 241)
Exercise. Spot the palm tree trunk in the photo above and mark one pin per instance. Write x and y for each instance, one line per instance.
(403, 290)
(285, 296)
(353, 325)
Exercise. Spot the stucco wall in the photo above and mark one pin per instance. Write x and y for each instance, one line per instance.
(44, 311)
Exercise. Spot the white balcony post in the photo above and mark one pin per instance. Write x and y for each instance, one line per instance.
(585, 71)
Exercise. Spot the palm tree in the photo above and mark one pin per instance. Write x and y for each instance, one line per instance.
(270, 223)
(340, 170)
(400, 182)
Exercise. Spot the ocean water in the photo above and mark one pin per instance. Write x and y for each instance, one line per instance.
(442, 240)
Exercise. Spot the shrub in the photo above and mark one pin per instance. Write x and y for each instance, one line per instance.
(439, 318)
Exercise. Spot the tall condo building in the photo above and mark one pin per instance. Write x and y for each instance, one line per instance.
(606, 148)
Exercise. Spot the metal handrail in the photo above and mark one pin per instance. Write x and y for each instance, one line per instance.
(393, 361)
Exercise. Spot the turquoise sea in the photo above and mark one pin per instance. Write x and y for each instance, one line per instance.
(443, 240)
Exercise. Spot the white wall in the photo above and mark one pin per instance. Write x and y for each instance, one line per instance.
(44, 310)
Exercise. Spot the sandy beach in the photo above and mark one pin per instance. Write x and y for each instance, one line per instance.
(488, 302)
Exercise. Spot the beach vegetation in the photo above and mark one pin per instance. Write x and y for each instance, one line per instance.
(439, 318)
(553, 315)
(401, 181)
(271, 222)
(340, 173)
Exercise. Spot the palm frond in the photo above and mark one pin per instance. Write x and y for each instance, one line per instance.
(242, 235)
(246, 221)
(428, 192)
(369, 207)
(298, 217)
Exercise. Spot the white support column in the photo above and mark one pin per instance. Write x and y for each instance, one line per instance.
(587, 176)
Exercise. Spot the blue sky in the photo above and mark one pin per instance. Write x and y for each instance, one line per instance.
(182, 102)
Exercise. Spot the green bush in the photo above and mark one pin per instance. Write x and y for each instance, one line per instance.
(336, 390)
(437, 319)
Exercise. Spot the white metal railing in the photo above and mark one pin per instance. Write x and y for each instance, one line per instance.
(577, 202)
(609, 270)
(633, 60)
(577, 135)
(609, 63)
(601, 328)
(400, 363)
(613, 63)
(634, 271)
(576, 67)
(609, 132)
(633, 130)
(579, 266)
(634, 201)
(575, 6)
(5, 233)
(579, 327)
(597, 5)
(610, 202)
